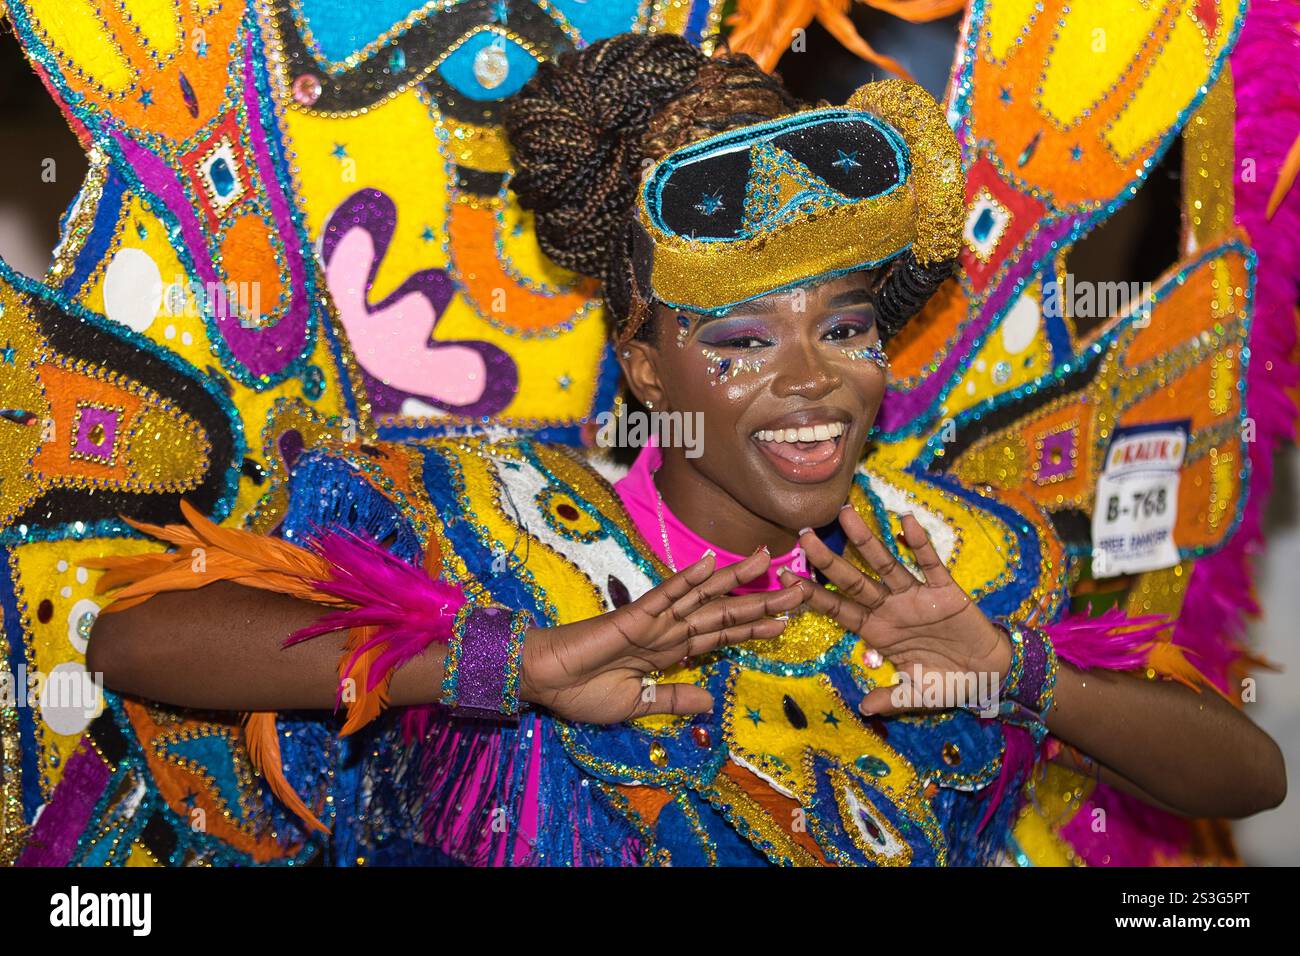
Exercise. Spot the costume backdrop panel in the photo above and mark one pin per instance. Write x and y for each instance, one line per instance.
(298, 225)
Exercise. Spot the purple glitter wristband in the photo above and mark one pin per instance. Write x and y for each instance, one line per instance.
(483, 659)
(1028, 690)
(1034, 676)
(1035, 666)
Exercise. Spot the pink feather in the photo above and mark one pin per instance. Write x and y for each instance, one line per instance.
(1110, 641)
(405, 607)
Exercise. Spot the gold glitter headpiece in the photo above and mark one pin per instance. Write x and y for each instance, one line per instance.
(808, 196)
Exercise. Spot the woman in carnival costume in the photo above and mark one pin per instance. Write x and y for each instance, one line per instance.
(540, 667)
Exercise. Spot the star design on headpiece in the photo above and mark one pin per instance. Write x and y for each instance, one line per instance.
(709, 203)
(846, 161)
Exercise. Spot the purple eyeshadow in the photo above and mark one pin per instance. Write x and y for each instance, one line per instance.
(723, 331)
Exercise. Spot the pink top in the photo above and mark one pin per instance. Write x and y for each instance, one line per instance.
(641, 499)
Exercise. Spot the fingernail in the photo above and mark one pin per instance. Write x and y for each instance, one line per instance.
(804, 531)
(846, 506)
(863, 708)
(763, 548)
(708, 553)
(872, 658)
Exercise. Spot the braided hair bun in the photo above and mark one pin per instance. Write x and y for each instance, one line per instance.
(575, 129)
(583, 128)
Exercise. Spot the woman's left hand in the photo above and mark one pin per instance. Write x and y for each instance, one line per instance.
(927, 629)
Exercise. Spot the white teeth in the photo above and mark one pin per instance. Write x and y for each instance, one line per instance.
(807, 433)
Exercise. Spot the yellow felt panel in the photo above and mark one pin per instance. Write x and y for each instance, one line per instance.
(555, 575)
(50, 571)
(414, 177)
(1097, 44)
(557, 373)
(1174, 79)
(1003, 21)
(1004, 353)
(74, 25)
(157, 22)
(546, 363)
(522, 253)
(756, 741)
(139, 856)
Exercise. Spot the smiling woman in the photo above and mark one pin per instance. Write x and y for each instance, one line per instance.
(787, 385)
(678, 668)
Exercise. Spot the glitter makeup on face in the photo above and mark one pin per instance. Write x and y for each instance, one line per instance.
(683, 329)
(723, 368)
(875, 354)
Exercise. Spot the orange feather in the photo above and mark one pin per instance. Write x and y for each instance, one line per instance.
(838, 25)
(765, 29)
(367, 704)
(263, 743)
(1169, 660)
(226, 554)
(1285, 179)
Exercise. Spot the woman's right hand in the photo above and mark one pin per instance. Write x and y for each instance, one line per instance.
(592, 671)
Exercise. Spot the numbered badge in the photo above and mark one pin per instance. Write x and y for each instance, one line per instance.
(1136, 506)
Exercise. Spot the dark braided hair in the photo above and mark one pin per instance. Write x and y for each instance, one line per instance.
(585, 126)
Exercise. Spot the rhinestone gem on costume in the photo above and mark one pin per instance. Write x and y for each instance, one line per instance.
(306, 90)
(220, 171)
(872, 765)
(491, 67)
(986, 222)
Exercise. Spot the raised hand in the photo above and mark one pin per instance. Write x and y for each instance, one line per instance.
(922, 627)
(593, 670)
